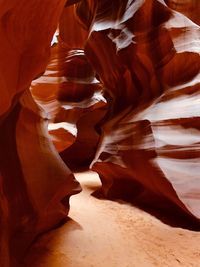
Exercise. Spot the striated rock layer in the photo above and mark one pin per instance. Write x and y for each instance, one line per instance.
(73, 99)
(141, 56)
(190, 8)
(147, 57)
(83, 106)
(71, 95)
(80, 94)
(35, 184)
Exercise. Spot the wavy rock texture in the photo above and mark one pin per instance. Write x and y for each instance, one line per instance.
(148, 59)
(80, 94)
(190, 8)
(35, 184)
(83, 106)
(71, 95)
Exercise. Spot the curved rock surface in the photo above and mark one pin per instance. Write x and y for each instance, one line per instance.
(80, 94)
(73, 100)
(148, 59)
(82, 106)
(137, 57)
(190, 8)
(35, 184)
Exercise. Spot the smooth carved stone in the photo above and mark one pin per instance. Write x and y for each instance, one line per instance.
(45, 92)
(82, 107)
(190, 8)
(72, 98)
(62, 134)
(78, 96)
(71, 2)
(79, 81)
(51, 182)
(25, 47)
(71, 95)
(147, 57)
(35, 184)
(85, 116)
(71, 33)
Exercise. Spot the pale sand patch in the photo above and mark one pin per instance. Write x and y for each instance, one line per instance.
(104, 233)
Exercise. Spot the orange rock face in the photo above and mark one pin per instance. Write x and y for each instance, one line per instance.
(120, 89)
(190, 8)
(73, 99)
(148, 59)
(35, 184)
(71, 95)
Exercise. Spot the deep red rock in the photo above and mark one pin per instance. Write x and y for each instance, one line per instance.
(147, 57)
(190, 8)
(139, 60)
(35, 184)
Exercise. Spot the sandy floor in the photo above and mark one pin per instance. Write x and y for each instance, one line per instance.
(103, 233)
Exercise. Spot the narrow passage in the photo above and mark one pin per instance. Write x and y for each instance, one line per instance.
(103, 233)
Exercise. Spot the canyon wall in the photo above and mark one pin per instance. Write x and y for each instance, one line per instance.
(147, 57)
(119, 91)
(35, 184)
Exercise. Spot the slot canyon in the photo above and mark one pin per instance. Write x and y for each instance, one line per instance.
(100, 133)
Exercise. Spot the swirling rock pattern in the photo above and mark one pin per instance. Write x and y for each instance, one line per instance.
(190, 8)
(35, 184)
(82, 106)
(148, 59)
(71, 95)
(80, 94)
(73, 100)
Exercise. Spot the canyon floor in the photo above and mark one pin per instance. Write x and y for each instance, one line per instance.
(104, 233)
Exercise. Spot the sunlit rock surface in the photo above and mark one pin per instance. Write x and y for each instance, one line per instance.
(123, 82)
(73, 100)
(83, 106)
(80, 94)
(190, 8)
(148, 59)
(71, 95)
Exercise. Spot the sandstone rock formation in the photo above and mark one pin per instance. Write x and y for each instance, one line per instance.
(71, 95)
(83, 105)
(125, 70)
(190, 8)
(73, 99)
(147, 57)
(35, 184)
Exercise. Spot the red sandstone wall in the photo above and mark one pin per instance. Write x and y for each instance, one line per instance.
(147, 57)
(35, 185)
(123, 80)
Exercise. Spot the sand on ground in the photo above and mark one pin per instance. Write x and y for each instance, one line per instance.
(104, 233)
